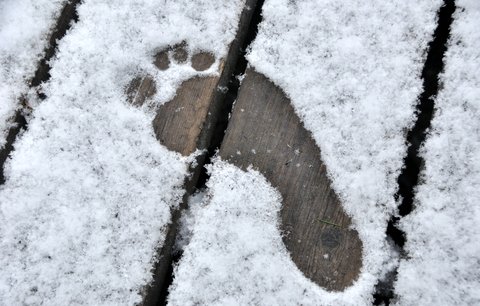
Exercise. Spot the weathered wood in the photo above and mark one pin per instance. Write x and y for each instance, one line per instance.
(202, 61)
(186, 123)
(162, 61)
(141, 89)
(265, 132)
(180, 53)
(179, 123)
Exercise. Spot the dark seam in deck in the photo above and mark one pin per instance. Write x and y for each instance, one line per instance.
(41, 75)
(212, 139)
(409, 177)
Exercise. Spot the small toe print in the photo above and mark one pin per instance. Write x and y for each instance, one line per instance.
(140, 89)
(180, 53)
(162, 61)
(202, 61)
(144, 87)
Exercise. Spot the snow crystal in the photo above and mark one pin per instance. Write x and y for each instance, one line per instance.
(24, 28)
(352, 71)
(89, 189)
(443, 230)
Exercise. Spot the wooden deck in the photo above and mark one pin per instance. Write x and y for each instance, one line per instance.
(187, 123)
(265, 132)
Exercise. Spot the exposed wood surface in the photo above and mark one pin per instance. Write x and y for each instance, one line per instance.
(64, 21)
(202, 61)
(265, 132)
(180, 53)
(140, 89)
(182, 126)
(178, 123)
(186, 123)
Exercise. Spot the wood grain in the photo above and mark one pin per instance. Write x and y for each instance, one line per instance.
(141, 89)
(187, 123)
(265, 132)
(179, 123)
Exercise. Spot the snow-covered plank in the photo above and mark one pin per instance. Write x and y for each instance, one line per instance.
(443, 231)
(265, 132)
(28, 31)
(24, 29)
(186, 122)
(89, 189)
(351, 70)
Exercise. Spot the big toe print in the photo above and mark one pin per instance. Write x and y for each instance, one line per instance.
(265, 132)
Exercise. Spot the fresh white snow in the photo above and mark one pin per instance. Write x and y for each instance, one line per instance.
(352, 70)
(89, 189)
(236, 255)
(443, 230)
(24, 29)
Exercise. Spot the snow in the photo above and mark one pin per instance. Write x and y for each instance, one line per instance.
(89, 189)
(352, 70)
(187, 220)
(24, 29)
(443, 230)
(236, 255)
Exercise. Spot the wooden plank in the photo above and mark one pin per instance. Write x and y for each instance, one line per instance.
(178, 123)
(186, 123)
(67, 15)
(265, 132)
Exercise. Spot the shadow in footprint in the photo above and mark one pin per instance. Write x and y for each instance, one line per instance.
(265, 132)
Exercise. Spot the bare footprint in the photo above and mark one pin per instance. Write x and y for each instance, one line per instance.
(178, 123)
(268, 133)
(264, 131)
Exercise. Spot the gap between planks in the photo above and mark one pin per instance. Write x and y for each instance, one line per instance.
(42, 74)
(200, 102)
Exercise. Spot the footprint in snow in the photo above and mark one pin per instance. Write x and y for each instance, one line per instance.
(316, 229)
(178, 123)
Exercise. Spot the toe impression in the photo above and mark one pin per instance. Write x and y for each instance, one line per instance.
(180, 52)
(202, 61)
(162, 62)
(179, 123)
(140, 89)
